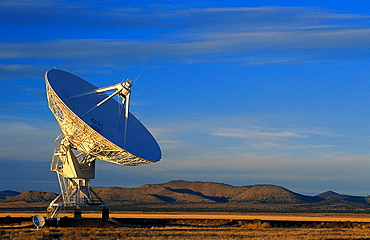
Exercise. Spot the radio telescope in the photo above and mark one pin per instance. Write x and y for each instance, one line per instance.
(94, 126)
(38, 221)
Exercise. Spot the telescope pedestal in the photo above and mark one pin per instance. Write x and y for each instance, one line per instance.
(74, 174)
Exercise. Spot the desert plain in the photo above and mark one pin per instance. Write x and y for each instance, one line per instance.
(193, 210)
(183, 225)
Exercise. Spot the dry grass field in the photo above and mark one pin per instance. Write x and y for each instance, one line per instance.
(184, 233)
(191, 226)
(331, 217)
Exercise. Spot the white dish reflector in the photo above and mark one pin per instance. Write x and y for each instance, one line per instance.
(103, 132)
(38, 221)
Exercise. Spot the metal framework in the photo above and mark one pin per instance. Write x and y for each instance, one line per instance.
(74, 173)
(78, 148)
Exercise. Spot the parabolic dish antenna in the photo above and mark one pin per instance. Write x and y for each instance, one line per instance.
(38, 221)
(96, 126)
(102, 131)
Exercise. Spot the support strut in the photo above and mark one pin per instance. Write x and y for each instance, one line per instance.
(74, 173)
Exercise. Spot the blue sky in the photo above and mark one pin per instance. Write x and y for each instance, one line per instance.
(240, 92)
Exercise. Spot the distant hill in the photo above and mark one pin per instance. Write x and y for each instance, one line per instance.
(32, 197)
(8, 193)
(27, 199)
(203, 196)
(203, 192)
(337, 196)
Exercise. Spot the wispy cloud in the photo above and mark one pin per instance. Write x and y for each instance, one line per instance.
(227, 136)
(18, 136)
(217, 34)
(95, 14)
(22, 71)
(254, 134)
(112, 50)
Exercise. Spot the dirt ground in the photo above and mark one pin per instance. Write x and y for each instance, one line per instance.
(334, 217)
(136, 225)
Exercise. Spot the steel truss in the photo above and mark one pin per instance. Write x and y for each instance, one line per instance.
(74, 172)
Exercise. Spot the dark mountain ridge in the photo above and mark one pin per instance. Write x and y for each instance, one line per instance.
(8, 193)
(337, 196)
(210, 196)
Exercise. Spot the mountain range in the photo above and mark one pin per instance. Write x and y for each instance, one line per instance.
(181, 195)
